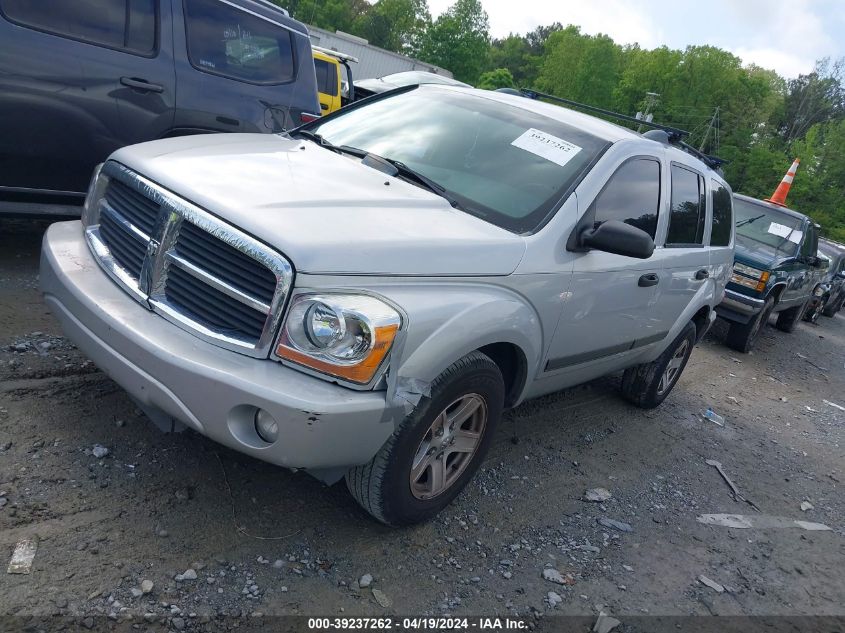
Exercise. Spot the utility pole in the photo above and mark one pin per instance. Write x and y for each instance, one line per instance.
(713, 120)
(650, 101)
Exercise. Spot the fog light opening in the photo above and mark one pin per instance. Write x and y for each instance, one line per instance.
(266, 426)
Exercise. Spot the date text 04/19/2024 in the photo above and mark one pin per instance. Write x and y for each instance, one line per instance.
(418, 624)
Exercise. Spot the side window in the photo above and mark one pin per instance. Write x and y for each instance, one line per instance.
(723, 215)
(810, 244)
(632, 195)
(326, 77)
(123, 24)
(223, 40)
(688, 213)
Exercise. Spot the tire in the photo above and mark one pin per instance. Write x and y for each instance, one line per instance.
(831, 310)
(743, 336)
(644, 385)
(814, 310)
(384, 486)
(788, 319)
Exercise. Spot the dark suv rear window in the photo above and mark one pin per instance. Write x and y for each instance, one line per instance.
(226, 41)
(128, 25)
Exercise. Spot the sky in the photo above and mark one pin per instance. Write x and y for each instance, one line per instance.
(785, 35)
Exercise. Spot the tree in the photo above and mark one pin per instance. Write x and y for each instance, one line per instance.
(814, 98)
(499, 78)
(514, 54)
(459, 40)
(397, 25)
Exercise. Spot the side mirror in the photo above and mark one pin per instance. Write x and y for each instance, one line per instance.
(619, 238)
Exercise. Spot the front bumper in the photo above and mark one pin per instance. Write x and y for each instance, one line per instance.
(739, 307)
(322, 426)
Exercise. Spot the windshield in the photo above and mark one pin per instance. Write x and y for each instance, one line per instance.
(767, 226)
(500, 162)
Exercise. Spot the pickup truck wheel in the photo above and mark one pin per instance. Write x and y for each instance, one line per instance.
(743, 336)
(647, 385)
(788, 319)
(831, 309)
(436, 449)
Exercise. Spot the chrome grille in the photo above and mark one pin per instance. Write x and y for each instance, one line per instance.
(184, 263)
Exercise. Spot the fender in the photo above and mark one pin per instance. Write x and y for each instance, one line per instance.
(479, 314)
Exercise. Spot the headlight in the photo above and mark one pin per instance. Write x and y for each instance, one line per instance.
(347, 336)
(750, 277)
(96, 190)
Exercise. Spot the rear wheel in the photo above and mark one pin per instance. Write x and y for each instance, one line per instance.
(436, 449)
(788, 319)
(647, 385)
(743, 336)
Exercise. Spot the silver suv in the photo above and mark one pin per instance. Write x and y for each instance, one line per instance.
(364, 297)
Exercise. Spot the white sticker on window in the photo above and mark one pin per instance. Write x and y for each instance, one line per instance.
(793, 235)
(546, 146)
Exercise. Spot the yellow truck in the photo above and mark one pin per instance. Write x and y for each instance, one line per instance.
(332, 90)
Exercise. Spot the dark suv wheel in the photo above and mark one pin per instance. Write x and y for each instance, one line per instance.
(647, 385)
(743, 336)
(815, 309)
(436, 449)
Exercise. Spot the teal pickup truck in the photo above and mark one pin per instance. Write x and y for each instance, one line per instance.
(776, 270)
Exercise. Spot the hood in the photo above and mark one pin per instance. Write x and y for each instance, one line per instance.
(326, 212)
(759, 255)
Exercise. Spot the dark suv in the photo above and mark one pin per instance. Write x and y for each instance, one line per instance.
(80, 79)
(776, 270)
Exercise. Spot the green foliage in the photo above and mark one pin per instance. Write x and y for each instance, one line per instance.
(459, 40)
(397, 25)
(499, 78)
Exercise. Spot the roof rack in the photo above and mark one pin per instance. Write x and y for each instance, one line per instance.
(661, 133)
(333, 53)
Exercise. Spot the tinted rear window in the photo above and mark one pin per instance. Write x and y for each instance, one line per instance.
(226, 41)
(688, 213)
(722, 215)
(123, 24)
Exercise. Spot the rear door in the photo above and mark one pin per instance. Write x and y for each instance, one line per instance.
(63, 108)
(238, 69)
(684, 260)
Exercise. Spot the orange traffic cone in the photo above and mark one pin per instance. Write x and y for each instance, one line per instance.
(779, 196)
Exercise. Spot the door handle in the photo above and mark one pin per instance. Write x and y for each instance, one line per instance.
(702, 274)
(649, 279)
(141, 84)
(324, 106)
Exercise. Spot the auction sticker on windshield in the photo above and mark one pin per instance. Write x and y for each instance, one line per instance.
(793, 235)
(546, 146)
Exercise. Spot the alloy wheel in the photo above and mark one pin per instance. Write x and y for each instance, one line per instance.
(448, 446)
(673, 369)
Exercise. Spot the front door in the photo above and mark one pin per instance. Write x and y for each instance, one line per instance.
(609, 314)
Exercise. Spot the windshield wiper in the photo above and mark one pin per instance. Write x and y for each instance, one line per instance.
(322, 142)
(750, 220)
(421, 179)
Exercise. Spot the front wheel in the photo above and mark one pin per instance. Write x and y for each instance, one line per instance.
(814, 310)
(648, 384)
(743, 336)
(436, 449)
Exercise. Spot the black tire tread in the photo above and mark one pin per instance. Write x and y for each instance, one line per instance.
(637, 381)
(365, 482)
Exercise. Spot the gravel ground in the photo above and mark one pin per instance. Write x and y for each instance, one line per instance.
(184, 533)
